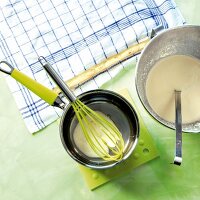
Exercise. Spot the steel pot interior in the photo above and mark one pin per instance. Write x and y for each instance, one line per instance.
(184, 40)
(117, 109)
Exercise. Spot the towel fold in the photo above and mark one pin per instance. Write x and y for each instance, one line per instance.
(72, 35)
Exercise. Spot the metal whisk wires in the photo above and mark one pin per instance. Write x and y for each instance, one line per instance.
(103, 136)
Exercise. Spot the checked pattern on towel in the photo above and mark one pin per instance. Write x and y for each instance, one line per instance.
(72, 35)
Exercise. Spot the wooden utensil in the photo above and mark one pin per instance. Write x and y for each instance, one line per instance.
(105, 65)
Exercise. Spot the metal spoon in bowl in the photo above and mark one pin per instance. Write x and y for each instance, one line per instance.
(178, 128)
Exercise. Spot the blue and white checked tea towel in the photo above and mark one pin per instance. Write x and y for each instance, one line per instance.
(73, 35)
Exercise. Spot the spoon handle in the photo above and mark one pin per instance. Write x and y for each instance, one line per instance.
(178, 127)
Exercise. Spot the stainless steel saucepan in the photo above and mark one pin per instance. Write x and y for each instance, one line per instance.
(117, 108)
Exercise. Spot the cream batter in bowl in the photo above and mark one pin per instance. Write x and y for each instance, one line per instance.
(171, 61)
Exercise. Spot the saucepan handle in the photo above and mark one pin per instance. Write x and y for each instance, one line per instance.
(49, 96)
(156, 30)
(6, 67)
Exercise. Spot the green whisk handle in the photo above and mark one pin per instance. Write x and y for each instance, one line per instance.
(61, 84)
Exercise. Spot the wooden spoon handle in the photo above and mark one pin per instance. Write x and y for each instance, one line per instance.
(104, 65)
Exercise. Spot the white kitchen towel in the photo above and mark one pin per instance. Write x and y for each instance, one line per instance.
(72, 35)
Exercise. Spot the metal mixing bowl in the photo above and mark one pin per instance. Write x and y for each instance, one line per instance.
(118, 109)
(184, 40)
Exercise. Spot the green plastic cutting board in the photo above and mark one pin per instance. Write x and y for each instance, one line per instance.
(144, 152)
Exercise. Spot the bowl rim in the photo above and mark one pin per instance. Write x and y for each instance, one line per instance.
(156, 117)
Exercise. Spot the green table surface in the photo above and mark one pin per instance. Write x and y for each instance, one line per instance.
(37, 167)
